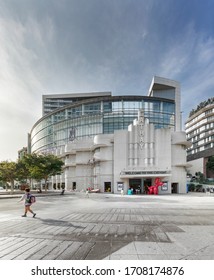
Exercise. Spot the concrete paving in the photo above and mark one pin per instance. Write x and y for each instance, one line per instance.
(110, 227)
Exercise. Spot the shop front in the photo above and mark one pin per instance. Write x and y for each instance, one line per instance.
(140, 185)
(139, 182)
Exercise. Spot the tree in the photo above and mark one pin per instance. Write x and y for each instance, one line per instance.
(210, 164)
(8, 172)
(23, 173)
(41, 167)
(200, 177)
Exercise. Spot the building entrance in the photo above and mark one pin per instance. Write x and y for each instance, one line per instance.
(146, 184)
(107, 187)
(174, 188)
(135, 184)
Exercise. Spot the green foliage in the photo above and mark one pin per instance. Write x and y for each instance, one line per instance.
(41, 167)
(200, 177)
(23, 173)
(201, 106)
(8, 172)
(191, 187)
(31, 166)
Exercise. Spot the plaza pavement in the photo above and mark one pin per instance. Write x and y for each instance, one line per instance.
(110, 227)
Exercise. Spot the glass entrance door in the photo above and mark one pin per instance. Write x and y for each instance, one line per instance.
(135, 184)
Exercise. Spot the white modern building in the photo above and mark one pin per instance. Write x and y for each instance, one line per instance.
(117, 142)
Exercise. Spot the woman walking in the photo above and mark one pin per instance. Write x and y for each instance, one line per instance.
(27, 201)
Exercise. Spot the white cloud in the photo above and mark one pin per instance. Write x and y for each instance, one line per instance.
(74, 46)
(199, 84)
(19, 87)
(189, 59)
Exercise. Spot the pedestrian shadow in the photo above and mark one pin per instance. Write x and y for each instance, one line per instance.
(61, 223)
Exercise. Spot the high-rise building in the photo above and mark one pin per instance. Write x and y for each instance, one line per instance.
(200, 132)
(22, 152)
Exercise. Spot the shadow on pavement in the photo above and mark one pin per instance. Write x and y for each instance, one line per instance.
(58, 223)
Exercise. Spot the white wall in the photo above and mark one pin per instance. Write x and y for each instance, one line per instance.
(163, 149)
(120, 155)
(102, 159)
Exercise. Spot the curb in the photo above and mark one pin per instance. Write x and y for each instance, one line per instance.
(8, 196)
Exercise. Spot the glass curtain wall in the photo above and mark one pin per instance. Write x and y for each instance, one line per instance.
(92, 118)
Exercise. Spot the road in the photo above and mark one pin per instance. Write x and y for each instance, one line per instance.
(108, 226)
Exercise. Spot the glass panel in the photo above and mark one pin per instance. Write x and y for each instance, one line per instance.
(92, 108)
(117, 106)
(107, 106)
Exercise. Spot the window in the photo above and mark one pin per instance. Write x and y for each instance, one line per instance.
(107, 106)
(92, 108)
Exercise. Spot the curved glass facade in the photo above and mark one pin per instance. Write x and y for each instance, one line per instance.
(95, 116)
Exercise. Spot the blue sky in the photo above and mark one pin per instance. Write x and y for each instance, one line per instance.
(70, 46)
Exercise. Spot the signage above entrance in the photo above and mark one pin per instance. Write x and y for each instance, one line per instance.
(144, 173)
